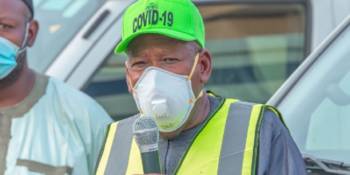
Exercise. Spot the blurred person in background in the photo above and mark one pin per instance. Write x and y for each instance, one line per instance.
(45, 126)
(200, 133)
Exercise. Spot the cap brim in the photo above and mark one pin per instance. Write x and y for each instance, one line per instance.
(167, 32)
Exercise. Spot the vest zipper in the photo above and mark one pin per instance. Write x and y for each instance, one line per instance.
(197, 133)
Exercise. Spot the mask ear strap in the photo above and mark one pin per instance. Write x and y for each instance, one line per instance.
(23, 46)
(199, 96)
(26, 36)
(193, 68)
(190, 76)
(132, 87)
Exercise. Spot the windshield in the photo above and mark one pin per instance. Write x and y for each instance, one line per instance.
(59, 21)
(317, 109)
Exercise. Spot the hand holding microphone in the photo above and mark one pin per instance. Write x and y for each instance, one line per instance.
(146, 134)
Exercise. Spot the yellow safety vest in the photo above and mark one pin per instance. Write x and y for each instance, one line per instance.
(227, 143)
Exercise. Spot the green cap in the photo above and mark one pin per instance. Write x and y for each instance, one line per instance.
(179, 19)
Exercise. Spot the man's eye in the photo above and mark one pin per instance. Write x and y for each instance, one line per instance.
(4, 26)
(171, 60)
(140, 63)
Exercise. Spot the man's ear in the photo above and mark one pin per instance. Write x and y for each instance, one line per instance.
(205, 65)
(32, 32)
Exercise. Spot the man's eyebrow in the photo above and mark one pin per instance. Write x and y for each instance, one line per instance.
(3, 18)
(139, 54)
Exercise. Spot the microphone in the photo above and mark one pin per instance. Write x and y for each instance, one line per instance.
(146, 134)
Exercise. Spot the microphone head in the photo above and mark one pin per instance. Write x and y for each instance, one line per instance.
(146, 133)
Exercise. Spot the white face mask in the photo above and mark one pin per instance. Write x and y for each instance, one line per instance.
(165, 96)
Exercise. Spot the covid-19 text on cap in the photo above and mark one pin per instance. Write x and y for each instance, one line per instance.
(153, 17)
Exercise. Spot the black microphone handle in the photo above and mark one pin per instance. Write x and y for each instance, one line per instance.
(150, 162)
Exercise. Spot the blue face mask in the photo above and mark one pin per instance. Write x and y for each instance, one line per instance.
(8, 55)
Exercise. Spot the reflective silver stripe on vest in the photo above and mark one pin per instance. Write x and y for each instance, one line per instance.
(234, 141)
(118, 158)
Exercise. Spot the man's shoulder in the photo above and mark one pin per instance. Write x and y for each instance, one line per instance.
(272, 121)
(270, 114)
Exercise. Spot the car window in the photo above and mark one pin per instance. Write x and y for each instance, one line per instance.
(317, 108)
(60, 21)
(254, 48)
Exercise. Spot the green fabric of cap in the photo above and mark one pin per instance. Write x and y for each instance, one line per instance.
(179, 19)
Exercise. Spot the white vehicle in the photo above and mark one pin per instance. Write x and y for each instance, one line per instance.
(255, 44)
(315, 103)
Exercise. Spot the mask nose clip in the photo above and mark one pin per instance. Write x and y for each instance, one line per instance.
(160, 108)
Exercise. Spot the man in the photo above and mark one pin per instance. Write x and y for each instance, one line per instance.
(46, 127)
(200, 133)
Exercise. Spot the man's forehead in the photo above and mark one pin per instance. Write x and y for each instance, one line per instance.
(11, 7)
(143, 51)
(154, 40)
(12, 3)
(155, 37)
